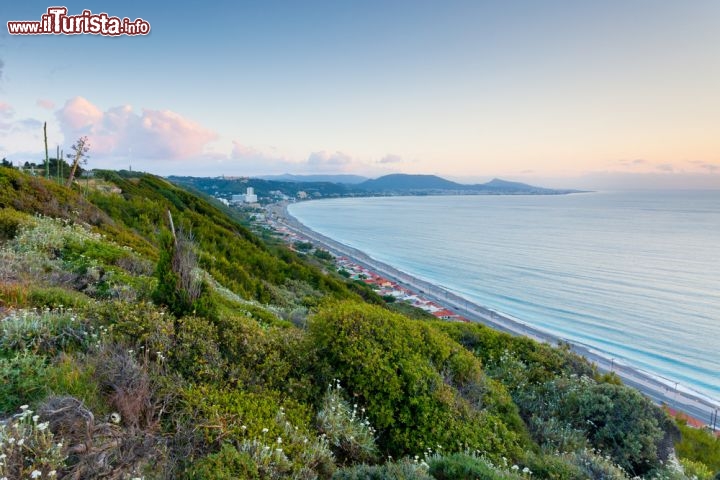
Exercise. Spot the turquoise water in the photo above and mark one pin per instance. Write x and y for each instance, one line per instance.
(635, 275)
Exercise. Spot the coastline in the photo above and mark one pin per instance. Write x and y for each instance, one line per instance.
(660, 390)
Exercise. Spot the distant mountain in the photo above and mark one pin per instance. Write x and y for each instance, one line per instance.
(404, 182)
(288, 177)
(432, 184)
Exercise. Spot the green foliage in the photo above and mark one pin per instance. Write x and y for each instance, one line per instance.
(303, 246)
(552, 467)
(23, 380)
(543, 361)
(410, 311)
(10, 223)
(696, 470)
(141, 325)
(323, 255)
(593, 465)
(274, 434)
(168, 291)
(616, 420)
(265, 357)
(226, 249)
(55, 298)
(227, 464)
(698, 445)
(347, 430)
(28, 449)
(459, 466)
(76, 376)
(394, 367)
(47, 332)
(404, 469)
(195, 354)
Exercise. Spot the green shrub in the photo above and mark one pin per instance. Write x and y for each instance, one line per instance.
(696, 470)
(594, 465)
(275, 434)
(411, 380)
(23, 380)
(48, 332)
(347, 430)
(56, 297)
(76, 376)
(142, 326)
(552, 467)
(460, 466)
(699, 446)
(28, 449)
(196, 354)
(227, 464)
(11, 221)
(401, 470)
(267, 357)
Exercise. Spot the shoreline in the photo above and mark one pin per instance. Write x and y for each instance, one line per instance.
(660, 390)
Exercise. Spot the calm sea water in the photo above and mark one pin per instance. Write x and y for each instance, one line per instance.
(635, 275)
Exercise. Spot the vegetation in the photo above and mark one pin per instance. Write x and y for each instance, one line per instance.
(132, 346)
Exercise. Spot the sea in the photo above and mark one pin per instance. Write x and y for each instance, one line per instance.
(634, 275)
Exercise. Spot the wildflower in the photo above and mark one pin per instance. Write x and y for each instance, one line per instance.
(24, 407)
(35, 418)
(52, 473)
(279, 440)
(36, 474)
(515, 467)
(43, 426)
(20, 442)
(264, 430)
(115, 417)
(526, 470)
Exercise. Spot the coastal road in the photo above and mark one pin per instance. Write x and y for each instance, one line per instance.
(661, 391)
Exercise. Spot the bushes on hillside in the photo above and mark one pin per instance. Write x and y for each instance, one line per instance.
(406, 376)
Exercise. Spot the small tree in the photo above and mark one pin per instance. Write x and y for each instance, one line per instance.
(6, 163)
(80, 154)
(179, 287)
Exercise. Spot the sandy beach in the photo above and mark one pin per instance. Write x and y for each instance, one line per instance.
(660, 390)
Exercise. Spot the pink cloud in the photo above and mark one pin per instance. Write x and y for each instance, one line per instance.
(323, 158)
(46, 104)
(156, 134)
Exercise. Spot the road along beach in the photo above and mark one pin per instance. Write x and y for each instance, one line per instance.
(660, 390)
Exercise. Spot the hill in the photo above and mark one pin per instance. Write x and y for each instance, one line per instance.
(432, 184)
(144, 332)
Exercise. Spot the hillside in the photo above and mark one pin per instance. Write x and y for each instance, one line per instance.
(133, 347)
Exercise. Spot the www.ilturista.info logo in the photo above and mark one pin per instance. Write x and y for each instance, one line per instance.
(57, 22)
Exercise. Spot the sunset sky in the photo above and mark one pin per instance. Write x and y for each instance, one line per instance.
(557, 92)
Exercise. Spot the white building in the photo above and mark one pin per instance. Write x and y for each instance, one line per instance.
(250, 196)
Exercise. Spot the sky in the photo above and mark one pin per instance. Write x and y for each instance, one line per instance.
(564, 93)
